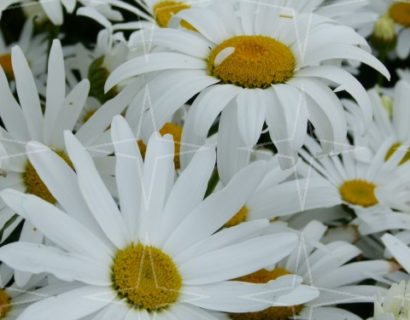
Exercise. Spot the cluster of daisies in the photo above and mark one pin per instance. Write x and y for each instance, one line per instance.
(205, 159)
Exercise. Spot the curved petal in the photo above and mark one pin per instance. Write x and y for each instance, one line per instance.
(96, 194)
(71, 305)
(37, 258)
(217, 209)
(157, 61)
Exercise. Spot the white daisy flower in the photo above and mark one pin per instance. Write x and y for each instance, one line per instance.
(25, 121)
(378, 186)
(285, 84)
(325, 267)
(34, 48)
(391, 116)
(395, 304)
(54, 8)
(158, 256)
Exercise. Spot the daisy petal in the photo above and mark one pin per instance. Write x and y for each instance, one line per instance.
(236, 296)
(251, 115)
(231, 262)
(152, 62)
(96, 194)
(37, 258)
(71, 305)
(128, 171)
(188, 191)
(217, 209)
(398, 249)
(28, 95)
(55, 92)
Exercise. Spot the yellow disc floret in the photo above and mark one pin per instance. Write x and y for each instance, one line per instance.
(238, 218)
(400, 13)
(252, 61)
(5, 304)
(176, 132)
(359, 192)
(393, 149)
(34, 184)
(146, 277)
(164, 10)
(272, 313)
(5, 63)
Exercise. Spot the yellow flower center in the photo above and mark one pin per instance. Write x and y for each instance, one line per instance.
(5, 305)
(393, 149)
(146, 277)
(34, 184)
(272, 313)
(238, 218)
(252, 61)
(400, 13)
(176, 132)
(164, 10)
(5, 63)
(359, 192)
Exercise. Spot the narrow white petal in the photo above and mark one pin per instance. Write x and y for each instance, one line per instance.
(37, 258)
(71, 305)
(28, 95)
(96, 194)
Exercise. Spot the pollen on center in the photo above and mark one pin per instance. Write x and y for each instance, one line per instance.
(238, 218)
(359, 192)
(5, 305)
(176, 132)
(252, 61)
(146, 277)
(164, 10)
(400, 13)
(272, 313)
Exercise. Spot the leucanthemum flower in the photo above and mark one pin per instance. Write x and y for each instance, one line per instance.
(34, 48)
(367, 187)
(54, 8)
(158, 256)
(250, 57)
(25, 121)
(328, 270)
